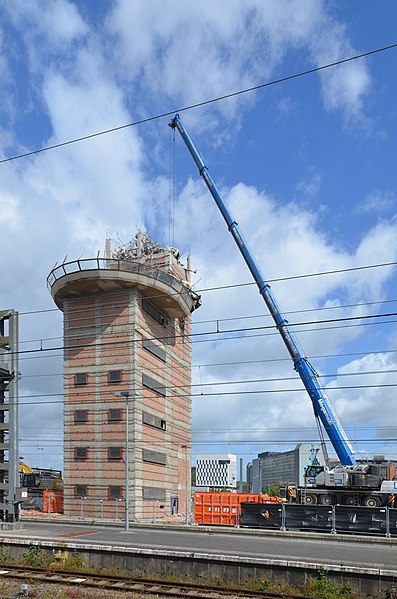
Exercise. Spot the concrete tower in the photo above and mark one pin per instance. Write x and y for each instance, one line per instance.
(127, 353)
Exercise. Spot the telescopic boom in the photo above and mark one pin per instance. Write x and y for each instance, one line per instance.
(322, 407)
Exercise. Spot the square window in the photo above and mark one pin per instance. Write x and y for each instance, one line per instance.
(81, 378)
(114, 415)
(80, 415)
(114, 492)
(80, 453)
(115, 453)
(114, 376)
(81, 490)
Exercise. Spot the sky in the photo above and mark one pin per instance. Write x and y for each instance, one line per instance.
(307, 167)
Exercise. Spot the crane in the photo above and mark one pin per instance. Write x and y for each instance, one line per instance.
(323, 410)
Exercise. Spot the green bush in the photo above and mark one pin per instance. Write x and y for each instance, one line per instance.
(36, 556)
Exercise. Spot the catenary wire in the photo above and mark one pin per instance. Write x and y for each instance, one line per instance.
(192, 336)
(217, 321)
(203, 103)
(202, 394)
(248, 284)
(80, 389)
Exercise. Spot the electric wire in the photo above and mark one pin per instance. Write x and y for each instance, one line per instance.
(217, 99)
(211, 394)
(239, 363)
(248, 284)
(90, 333)
(214, 321)
(193, 336)
(79, 390)
(202, 103)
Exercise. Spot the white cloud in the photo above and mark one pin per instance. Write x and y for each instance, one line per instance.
(286, 240)
(378, 201)
(9, 213)
(59, 21)
(371, 403)
(196, 52)
(310, 187)
(344, 87)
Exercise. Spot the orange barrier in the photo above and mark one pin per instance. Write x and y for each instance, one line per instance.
(52, 502)
(224, 508)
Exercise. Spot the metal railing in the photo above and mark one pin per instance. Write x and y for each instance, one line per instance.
(120, 265)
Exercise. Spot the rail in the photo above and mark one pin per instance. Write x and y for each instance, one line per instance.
(147, 587)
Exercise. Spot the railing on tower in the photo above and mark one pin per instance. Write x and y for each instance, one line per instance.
(121, 265)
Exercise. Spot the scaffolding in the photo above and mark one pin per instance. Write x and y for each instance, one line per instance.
(10, 491)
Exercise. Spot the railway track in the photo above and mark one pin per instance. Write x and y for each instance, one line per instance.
(146, 587)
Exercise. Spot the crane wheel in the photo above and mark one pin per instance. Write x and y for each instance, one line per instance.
(349, 500)
(372, 501)
(327, 499)
(310, 500)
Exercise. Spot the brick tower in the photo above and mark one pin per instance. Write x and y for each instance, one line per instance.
(127, 353)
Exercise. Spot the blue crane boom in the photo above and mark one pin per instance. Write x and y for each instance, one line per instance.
(322, 408)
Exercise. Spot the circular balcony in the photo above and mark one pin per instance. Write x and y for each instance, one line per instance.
(93, 275)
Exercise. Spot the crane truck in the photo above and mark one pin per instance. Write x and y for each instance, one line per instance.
(349, 482)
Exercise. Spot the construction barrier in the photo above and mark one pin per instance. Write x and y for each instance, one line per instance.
(53, 502)
(224, 508)
(333, 519)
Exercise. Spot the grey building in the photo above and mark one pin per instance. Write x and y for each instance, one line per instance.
(272, 468)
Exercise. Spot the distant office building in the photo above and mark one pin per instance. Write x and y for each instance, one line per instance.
(272, 468)
(216, 471)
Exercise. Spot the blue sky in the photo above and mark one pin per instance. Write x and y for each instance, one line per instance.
(308, 168)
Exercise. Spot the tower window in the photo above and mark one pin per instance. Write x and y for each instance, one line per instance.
(80, 453)
(152, 420)
(154, 349)
(81, 378)
(154, 312)
(81, 490)
(114, 453)
(81, 416)
(154, 385)
(114, 415)
(155, 457)
(114, 492)
(154, 493)
(114, 376)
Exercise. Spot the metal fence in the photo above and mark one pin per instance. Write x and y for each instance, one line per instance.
(128, 266)
(333, 519)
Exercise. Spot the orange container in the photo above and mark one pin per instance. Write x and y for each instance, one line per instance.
(52, 502)
(224, 508)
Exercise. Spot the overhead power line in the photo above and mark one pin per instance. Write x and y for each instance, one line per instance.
(238, 362)
(216, 322)
(195, 337)
(251, 283)
(33, 399)
(199, 104)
